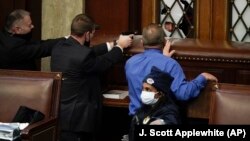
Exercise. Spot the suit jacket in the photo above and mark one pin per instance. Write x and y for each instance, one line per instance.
(81, 98)
(18, 52)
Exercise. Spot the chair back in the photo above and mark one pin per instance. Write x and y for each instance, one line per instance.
(34, 89)
(230, 104)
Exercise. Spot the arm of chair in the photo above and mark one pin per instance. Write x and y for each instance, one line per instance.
(45, 129)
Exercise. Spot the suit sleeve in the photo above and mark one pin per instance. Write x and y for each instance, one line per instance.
(100, 49)
(103, 62)
(35, 50)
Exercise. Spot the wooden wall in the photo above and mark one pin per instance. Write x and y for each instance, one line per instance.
(211, 16)
(111, 15)
(211, 30)
(114, 16)
(212, 19)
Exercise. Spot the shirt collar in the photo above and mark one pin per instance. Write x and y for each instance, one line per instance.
(150, 50)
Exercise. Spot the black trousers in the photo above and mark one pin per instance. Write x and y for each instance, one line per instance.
(76, 136)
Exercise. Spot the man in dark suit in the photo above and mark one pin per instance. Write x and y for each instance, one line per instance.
(17, 50)
(81, 98)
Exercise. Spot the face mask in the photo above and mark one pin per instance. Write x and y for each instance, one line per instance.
(148, 98)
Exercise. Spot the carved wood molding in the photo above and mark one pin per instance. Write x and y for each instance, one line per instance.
(202, 50)
(201, 58)
(211, 59)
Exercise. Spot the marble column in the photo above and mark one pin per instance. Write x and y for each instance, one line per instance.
(56, 19)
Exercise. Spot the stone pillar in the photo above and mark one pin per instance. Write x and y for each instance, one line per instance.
(56, 19)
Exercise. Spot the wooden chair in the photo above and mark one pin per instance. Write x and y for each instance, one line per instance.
(230, 104)
(36, 90)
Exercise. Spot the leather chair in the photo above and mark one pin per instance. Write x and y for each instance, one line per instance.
(230, 104)
(34, 89)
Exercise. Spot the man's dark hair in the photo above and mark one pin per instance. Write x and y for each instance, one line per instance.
(81, 24)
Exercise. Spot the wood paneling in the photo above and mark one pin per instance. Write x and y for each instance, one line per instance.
(219, 20)
(243, 76)
(211, 19)
(204, 17)
(6, 6)
(112, 15)
(211, 16)
(135, 15)
(150, 12)
(20, 4)
(35, 8)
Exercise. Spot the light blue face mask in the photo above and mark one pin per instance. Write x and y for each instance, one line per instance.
(148, 98)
